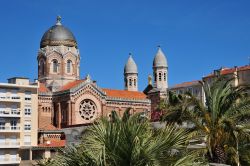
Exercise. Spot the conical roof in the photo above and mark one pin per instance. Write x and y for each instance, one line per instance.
(160, 59)
(130, 66)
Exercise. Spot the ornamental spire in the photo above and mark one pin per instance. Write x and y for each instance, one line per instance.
(58, 20)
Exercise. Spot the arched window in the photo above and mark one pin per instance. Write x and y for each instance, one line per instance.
(126, 82)
(41, 67)
(55, 66)
(69, 64)
(155, 77)
(159, 76)
(165, 77)
(130, 82)
(134, 82)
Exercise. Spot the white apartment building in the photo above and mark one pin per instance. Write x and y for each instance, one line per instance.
(18, 120)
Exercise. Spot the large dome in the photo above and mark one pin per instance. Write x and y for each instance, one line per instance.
(58, 35)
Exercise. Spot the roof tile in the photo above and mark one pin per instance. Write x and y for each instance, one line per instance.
(225, 71)
(71, 85)
(43, 88)
(124, 94)
(53, 143)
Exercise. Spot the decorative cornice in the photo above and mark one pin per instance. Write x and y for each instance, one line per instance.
(70, 43)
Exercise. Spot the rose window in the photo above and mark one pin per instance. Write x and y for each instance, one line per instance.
(87, 109)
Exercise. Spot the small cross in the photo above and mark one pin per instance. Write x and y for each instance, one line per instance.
(58, 20)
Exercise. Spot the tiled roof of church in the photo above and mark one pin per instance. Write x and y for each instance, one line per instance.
(186, 84)
(110, 92)
(71, 85)
(53, 143)
(43, 88)
(125, 94)
(225, 71)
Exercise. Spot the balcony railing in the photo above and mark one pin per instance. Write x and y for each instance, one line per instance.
(13, 98)
(10, 160)
(10, 113)
(9, 144)
(9, 129)
(27, 143)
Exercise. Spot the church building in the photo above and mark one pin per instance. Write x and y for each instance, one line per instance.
(65, 100)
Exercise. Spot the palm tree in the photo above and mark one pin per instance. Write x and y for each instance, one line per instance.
(45, 162)
(223, 120)
(130, 141)
(174, 108)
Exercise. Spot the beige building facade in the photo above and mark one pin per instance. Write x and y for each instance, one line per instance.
(18, 120)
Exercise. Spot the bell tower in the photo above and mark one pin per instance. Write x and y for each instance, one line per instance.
(58, 57)
(131, 75)
(160, 70)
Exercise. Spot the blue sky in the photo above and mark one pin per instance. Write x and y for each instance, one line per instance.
(197, 36)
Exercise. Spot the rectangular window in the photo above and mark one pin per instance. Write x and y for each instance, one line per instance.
(14, 110)
(2, 109)
(13, 139)
(2, 125)
(2, 93)
(2, 155)
(27, 140)
(27, 96)
(27, 111)
(13, 155)
(13, 124)
(14, 94)
(27, 125)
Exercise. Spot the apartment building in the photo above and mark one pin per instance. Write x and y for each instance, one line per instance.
(18, 120)
(193, 87)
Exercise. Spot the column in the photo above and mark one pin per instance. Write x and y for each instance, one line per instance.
(59, 115)
(69, 115)
(30, 157)
(73, 110)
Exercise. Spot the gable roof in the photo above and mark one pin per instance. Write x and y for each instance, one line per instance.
(125, 94)
(43, 88)
(71, 85)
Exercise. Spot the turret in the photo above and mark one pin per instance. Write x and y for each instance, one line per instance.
(160, 70)
(131, 75)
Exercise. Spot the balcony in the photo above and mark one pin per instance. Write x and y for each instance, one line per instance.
(9, 144)
(13, 98)
(8, 129)
(9, 160)
(27, 143)
(10, 113)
